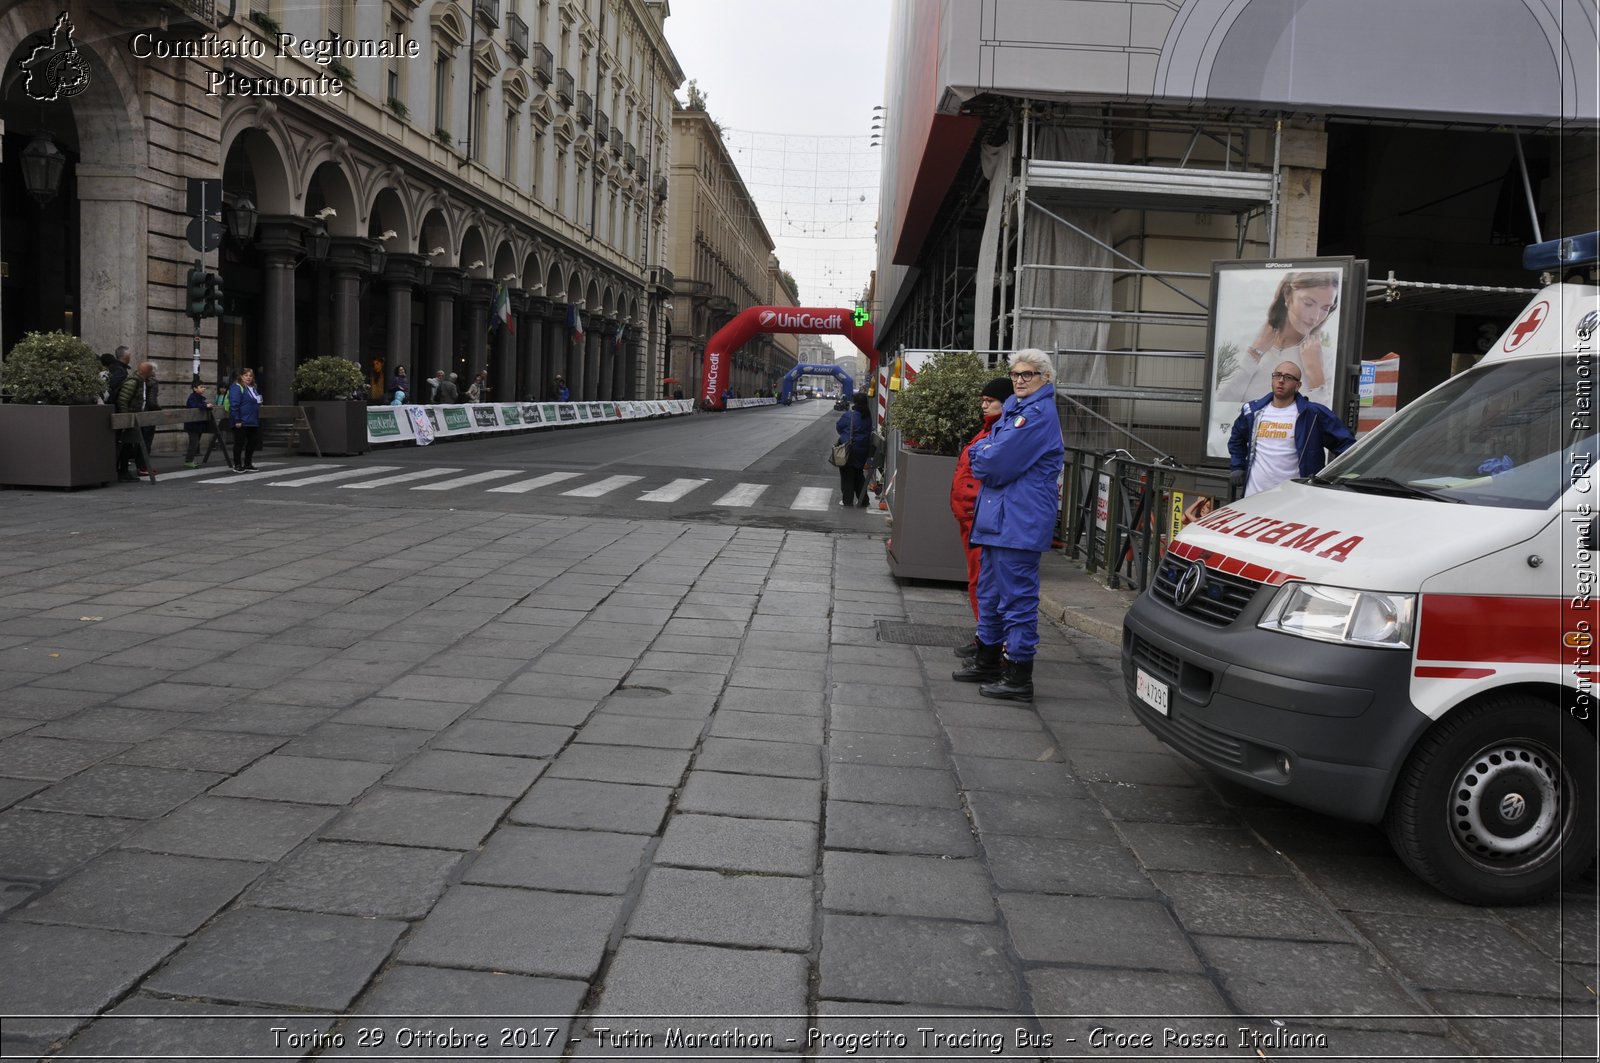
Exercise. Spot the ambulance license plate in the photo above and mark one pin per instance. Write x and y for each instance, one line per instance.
(1151, 690)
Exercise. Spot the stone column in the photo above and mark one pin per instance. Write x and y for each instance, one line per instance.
(480, 294)
(591, 362)
(402, 273)
(114, 213)
(576, 362)
(536, 373)
(632, 362)
(349, 260)
(443, 291)
(279, 240)
(608, 368)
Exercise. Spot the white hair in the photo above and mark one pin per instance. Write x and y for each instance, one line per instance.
(1035, 359)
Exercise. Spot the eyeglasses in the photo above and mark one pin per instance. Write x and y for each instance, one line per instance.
(1024, 377)
(1285, 376)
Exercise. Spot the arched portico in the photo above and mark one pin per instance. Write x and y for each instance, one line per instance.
(834, 321)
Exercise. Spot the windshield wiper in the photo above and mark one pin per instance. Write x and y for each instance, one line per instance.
(1389, 485)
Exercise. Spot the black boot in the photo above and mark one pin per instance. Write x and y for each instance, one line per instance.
(984, 666)
(970, 650)
(1016, 682)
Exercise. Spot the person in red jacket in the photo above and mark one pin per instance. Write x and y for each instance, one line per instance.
(964, 493)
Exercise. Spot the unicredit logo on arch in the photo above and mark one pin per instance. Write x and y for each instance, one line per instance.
(802, 320)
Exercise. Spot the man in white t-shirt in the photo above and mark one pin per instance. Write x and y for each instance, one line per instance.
(1282, 435)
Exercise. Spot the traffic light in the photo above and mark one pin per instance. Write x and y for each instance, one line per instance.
(196, 296)
(213, 295)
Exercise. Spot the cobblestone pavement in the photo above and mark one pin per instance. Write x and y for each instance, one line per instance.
(289, 780)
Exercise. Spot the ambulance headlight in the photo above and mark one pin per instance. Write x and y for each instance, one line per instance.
(1339, 614)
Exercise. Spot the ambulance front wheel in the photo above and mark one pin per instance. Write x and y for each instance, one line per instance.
(1497, 803)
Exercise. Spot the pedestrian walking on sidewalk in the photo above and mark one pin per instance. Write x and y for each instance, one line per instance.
(1017, 468)
(855, 431)
(964, 494)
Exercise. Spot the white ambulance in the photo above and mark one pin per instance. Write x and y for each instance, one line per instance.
(1408, 637)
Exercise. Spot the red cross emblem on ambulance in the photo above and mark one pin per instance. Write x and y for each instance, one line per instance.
(1524, 329)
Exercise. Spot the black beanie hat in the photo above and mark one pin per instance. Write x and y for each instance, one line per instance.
(998, 388)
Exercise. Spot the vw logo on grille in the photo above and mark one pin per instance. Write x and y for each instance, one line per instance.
(1189, 585)
(1512, 807)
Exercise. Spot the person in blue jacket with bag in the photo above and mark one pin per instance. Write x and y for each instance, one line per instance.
(244, 409)
(855, 431)
(1018, 469)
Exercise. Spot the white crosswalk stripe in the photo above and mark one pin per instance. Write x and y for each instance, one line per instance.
(184, 474)
(466, 481)
(812, 498)
(673, 491)
(742, 496)
(246, 477)
(522, 487)
(330, 477)
(405, 477)
(602, 487)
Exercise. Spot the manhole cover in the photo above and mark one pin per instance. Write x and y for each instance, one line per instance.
(903, 634)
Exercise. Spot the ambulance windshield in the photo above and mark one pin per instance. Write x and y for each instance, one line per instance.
(1514, 434)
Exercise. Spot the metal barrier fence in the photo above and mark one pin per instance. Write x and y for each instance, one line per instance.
(1119, 513)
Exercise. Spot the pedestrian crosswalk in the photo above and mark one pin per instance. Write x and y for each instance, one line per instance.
(721, 493)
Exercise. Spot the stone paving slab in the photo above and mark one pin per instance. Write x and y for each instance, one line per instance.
(750, 911)
(898, 829)
(896, 884)
(561, 935)
(752, 796)
(1102, 930)
(45, 845)
(419, 817)
(158, 1028)
(582, 804)
(468, 773)
(916, 961)
(144, 893)
(374, 881)
(306, 780)
(295, 959)
(229, 828)
(564, 860)
(124, 790)
(424, 1010)
(777, 847)
(56, 977)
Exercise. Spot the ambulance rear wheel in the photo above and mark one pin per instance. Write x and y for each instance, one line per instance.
(1497, 803)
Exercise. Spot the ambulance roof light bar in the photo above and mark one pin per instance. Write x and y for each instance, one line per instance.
(1566, 253)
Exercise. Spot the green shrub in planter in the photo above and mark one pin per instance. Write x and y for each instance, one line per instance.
(328, 378)
(52, 368)
(940, 412)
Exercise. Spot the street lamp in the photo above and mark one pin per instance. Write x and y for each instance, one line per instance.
(240, 217)
(42, 166)
(317, 243)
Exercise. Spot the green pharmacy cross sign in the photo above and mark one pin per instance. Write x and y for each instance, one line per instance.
(861, 317)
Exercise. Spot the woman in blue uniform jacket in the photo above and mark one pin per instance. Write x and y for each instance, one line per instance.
(1018, 468)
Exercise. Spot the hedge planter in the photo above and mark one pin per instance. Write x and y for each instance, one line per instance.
(56, 446)
(925, 540)
(340, 427)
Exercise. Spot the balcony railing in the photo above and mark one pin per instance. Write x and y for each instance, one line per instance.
(616, 141)
(661, 187)
(517, 34)
(602, 126)
(488, 10)
(585, 108)
(544, 64)
(564, 86)
(629, 156)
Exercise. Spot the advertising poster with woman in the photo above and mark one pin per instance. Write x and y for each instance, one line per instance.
(1305, 311)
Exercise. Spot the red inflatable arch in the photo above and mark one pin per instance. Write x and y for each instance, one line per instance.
(832, 320)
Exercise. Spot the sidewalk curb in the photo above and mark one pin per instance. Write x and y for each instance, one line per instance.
(1080, 620)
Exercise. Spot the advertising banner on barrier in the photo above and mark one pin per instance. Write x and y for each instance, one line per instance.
(393, 424)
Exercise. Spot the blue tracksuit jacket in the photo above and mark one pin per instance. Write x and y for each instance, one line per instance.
(1019, 466)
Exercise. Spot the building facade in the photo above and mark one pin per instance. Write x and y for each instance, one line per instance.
(1064, 176)
(441, 185)
(721, 261)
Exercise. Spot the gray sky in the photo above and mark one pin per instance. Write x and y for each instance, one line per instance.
(793, 84)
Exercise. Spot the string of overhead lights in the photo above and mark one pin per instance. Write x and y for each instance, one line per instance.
(817, 196)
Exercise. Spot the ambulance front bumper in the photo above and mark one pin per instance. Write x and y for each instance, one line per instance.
(1318, 725)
